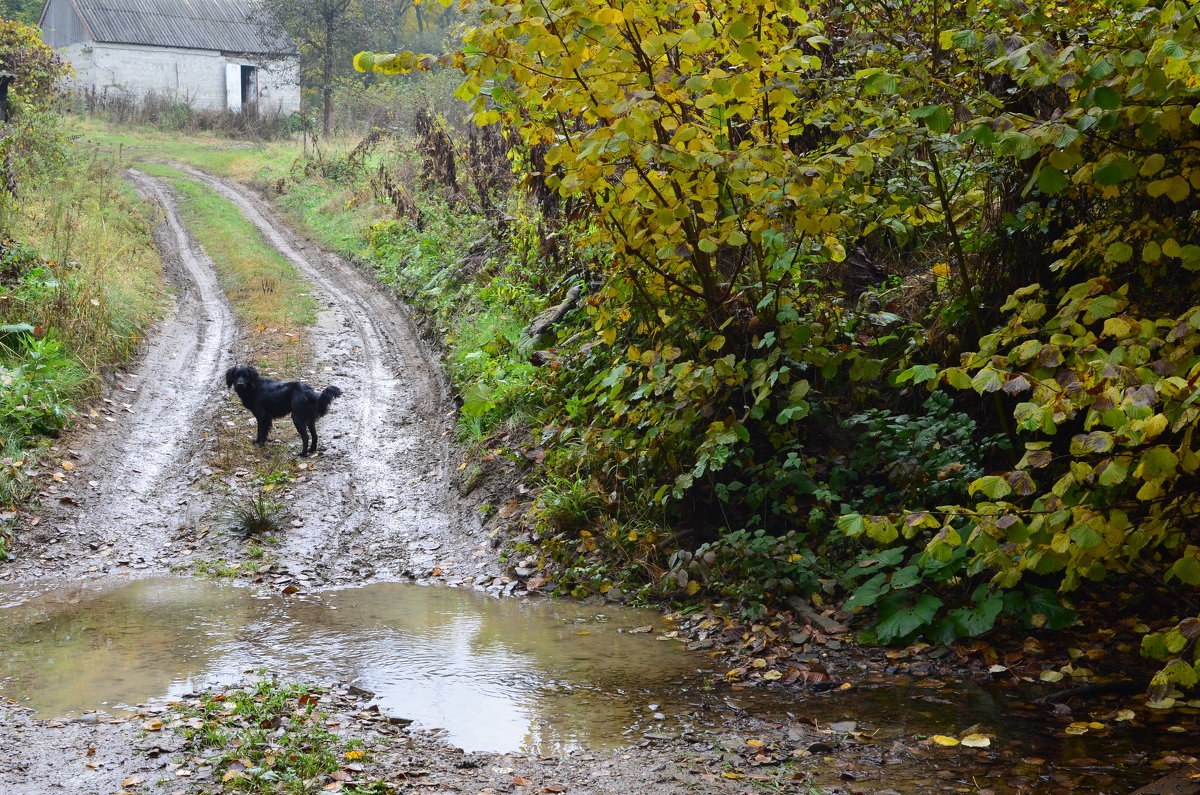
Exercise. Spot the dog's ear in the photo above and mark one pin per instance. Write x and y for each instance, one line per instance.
(229, 376)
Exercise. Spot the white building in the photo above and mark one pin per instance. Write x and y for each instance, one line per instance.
(206, 53)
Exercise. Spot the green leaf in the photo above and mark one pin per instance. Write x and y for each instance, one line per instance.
(987, 380)
(852, 524)
(898, 618)
(1116, 170)
(1050, 180)
(976, 620)
(1157, 462)
(1118, 252)
(1114, 472)
(1106, 98)
(868, 593)
(1154, 646)
(936, 117)
(991, 486)
(1187, 569)
(1084, 534)
(1178, 673)
(477, 400)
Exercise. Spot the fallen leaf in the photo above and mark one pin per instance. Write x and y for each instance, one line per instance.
(133, 781)
(554, 788)
(1051, 676)
(942, 739)
(1126, 714)
(521, 781)
(977, 741)
(355, 754)
(755, 743)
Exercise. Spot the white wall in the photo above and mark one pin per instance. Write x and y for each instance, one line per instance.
(193, 76)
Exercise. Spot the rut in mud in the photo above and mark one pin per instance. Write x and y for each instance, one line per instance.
(376, 504)
(381, 507)
(131, 483)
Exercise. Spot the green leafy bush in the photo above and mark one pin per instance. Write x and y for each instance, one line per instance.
(37, 383)
(752, 568)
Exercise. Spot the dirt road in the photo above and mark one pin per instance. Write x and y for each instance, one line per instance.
(376, 504)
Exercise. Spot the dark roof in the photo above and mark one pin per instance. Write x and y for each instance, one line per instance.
(194, 24)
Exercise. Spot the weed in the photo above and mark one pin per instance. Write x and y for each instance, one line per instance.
(253, 515)
(218, 569)
(269, 737)
(567, 504)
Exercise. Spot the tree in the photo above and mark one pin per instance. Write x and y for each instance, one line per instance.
(27, 11)
(35, 65)
(323, 30)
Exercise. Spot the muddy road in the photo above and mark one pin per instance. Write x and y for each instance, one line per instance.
(123, 496)
(376, 504)
(133, 491)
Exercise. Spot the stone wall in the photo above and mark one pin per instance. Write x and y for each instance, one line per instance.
(196, 77)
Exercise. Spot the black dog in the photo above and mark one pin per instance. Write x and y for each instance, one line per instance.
(270, 400)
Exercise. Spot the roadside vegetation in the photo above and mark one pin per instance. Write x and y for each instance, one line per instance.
(887, 305)
(79, 276)
(269, 736)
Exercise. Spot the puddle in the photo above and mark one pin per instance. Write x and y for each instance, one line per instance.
(541, 676)
(495, 674)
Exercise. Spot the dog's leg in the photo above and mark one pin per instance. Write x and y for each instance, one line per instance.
(264, 427)
(300, 427)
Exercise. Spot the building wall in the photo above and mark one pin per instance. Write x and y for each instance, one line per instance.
(196, 77)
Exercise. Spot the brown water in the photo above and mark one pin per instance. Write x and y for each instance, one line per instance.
(540, 676)
(496, 674)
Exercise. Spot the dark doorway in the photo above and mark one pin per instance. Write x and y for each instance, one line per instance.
(249, 87)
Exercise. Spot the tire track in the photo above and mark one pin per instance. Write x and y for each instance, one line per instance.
(139, 468)
(380, 506)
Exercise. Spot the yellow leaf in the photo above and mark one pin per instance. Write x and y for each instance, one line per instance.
(1076, 728)
(976, 741)
(1051, 676)
(355, 754)
(692, 588)
(732, 775)
(610, 16)
(755, 743)
(942, 739)
(771, 676)
(1126, 714)
(941, 269)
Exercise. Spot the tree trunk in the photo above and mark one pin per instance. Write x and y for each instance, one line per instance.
(327, 79)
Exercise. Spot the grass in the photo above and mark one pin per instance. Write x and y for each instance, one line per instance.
(270, 737)
(254, 514)
(217, 154)
(271, 298)
(79, 268)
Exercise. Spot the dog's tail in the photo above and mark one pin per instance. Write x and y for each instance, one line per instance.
(325, 398)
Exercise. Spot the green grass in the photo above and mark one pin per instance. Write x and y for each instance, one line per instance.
(219, 155)
(270, 737)
(265, 289)
(81, 271)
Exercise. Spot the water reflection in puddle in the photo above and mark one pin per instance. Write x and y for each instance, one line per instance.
(497, 675)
